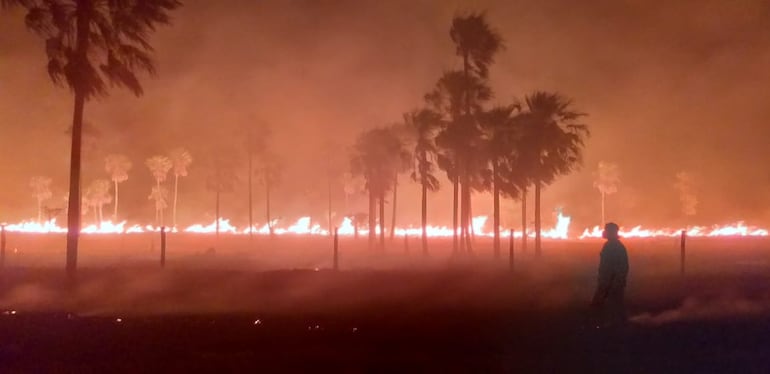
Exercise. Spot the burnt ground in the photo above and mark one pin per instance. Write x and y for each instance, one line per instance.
(453, 341)
(471, 315)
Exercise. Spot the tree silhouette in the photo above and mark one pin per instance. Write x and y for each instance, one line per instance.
(221, 177)
(476, 43)
(502, 135)
(97, 195)
(41, 189)
(180, 161)
(159, 167)
(378, 156)
(424, 124)
(159, 196)
(402, 162)
(460, 138)
(90, 44)
(552, 140)
(117, 166)
(256, 143)
(607, 181)
(269, 174)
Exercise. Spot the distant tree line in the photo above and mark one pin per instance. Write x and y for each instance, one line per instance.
(506, 150)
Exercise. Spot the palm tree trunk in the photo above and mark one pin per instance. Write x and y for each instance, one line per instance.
(115, 213)
(524, 219)
(251, 201)
(372, 218)
(603, 216)
(216, 218)
(424, 221)
(159, 216)
(468, 220)
(329, 213)
(464, 209)
(382, 221)
(537, 218)
(73, 209)
(463, 226)
(267, 206)
(455, 193)
(393, 218)
(176, 190)
(73, 212)
(96, 213)
(39, 210)
(496, 197)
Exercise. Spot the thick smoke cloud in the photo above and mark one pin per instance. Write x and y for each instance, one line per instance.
(669, 86)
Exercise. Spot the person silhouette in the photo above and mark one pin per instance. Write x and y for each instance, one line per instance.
(611, 284)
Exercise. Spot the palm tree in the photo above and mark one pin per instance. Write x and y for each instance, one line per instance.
(159, 195)
(377, 156)
(221, 178)
(159, 167)
(41, 188)
(269, 174)
(607, 180)
(424, 123)
(98, 194)
(256, 141)
(180, 161)
(553, 140)
(91, 44)
(476, 43)
(502, 135)
(459, 140)
(117, 166)
(402, 162)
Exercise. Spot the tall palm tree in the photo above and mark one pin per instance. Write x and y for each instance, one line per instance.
(159, 195)
(402, 162)
(256, 142)
(117, 166)
(554, 140)
(377, 156)
(502, 135)
(269, 174)
(90, 45)
(159, 167)
(180, 161)
(607, 181)
(476, 43)
(460, 138)
(222, 178)
(424, 124)
(41, 188)
(98, 194)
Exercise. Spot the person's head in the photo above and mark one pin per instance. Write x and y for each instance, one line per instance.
(611, 231)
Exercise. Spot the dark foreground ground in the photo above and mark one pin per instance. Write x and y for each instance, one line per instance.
(454, 341)
(440, 315)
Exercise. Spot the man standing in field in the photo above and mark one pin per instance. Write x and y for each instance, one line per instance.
(613, 269)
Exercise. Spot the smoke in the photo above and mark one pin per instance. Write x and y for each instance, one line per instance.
(699, 309)
(651, 75)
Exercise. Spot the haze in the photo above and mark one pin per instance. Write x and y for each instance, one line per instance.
(669, 86)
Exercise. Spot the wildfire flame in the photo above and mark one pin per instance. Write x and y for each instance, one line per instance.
(736, 229)
(306, 226)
